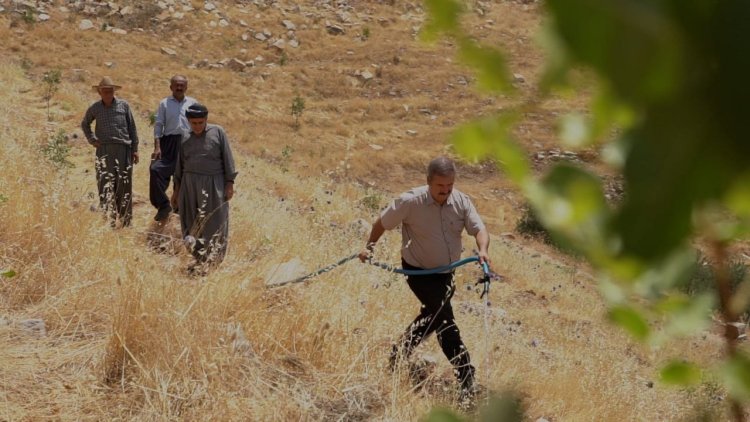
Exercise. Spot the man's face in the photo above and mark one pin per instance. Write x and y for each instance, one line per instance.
(107, 94)
(441, 187)
(198, 124)
(179, 88)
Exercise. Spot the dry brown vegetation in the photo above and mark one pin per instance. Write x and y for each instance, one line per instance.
(130, 337)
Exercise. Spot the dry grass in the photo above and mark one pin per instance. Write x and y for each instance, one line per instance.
(130, 336)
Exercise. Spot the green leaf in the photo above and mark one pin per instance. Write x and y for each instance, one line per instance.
(738, 196)
(736, 375)
(688, 315)
(440, 414)
(575, 130)
(489, 63)
(443, 18)
(570, 202)
(506, 408)
(674, 163)
(673, 270)
(681, 373)
(632, 42)
(491, 137)
(7, 273)
(629, 319)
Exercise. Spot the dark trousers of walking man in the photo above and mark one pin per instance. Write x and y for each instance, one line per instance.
(435, 291)
(162, 170)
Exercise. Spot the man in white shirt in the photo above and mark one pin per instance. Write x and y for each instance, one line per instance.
(169, 127)
(432, 218)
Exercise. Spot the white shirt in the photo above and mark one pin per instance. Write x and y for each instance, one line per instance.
(170, 116)
(430, 232)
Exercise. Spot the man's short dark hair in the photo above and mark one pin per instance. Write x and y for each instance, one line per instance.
(441, 166)
(178, 77)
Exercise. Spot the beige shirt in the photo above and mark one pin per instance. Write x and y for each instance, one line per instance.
(431, 233)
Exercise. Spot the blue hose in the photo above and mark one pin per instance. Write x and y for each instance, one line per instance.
(442, 269)
(388, 267)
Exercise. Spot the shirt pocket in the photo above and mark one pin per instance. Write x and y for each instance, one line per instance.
(456, 224)
(120, 121)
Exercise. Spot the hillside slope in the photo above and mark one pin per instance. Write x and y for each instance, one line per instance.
(128, 335)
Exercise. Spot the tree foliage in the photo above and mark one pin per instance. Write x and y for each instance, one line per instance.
(671, 78)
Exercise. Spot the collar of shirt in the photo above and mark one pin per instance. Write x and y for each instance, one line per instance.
(114, 102)
(432, 201)
(171, 97)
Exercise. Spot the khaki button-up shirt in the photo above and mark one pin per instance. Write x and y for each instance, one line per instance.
(431, 233)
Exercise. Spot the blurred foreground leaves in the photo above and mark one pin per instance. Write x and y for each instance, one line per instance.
(668, 113)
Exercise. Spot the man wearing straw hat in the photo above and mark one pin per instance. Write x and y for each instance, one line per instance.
(203, 185)
(116, 141)
(432, 218)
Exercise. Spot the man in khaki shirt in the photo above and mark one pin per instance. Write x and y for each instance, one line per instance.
(432, 218)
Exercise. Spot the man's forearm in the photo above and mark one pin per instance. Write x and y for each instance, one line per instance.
(376, 232)
(483, 240)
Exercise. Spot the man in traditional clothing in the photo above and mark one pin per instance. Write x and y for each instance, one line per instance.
(169, 127)
(432, 218)
(203, 185)
(116, 141)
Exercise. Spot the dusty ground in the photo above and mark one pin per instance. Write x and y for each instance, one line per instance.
(130, 336)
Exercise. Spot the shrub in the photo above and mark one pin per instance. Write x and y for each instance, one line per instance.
(372, 201)
(51, 81)
(57, 150)
(703, 279)
(298, 106)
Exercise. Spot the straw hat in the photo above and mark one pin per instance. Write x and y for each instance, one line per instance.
(106, 82)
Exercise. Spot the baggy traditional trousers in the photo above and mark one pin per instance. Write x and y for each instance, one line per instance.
(162, 170)
(114, 180)
(204, 214)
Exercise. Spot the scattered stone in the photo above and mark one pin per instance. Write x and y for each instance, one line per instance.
(260, 36)
(109, 64)
(293, 43)
(245, 36)
(119, 31)
(239, 342)
(243, 23)
(236, 65)
(208, 7)
(43, 17)
(289, 25)
(223, 23)
(334, 29)
(376, 147)
(34, 326)
(366, 75)
(279, 44)
(518, 78)
(285, 272)
(85, 25)
(127, 10)
(411, 132)
(168, 51)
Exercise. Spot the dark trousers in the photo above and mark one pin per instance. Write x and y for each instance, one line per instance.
(435, 291)
(162, 170)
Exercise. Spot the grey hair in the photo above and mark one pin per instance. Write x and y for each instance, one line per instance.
(176, 77)
(441, 166)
